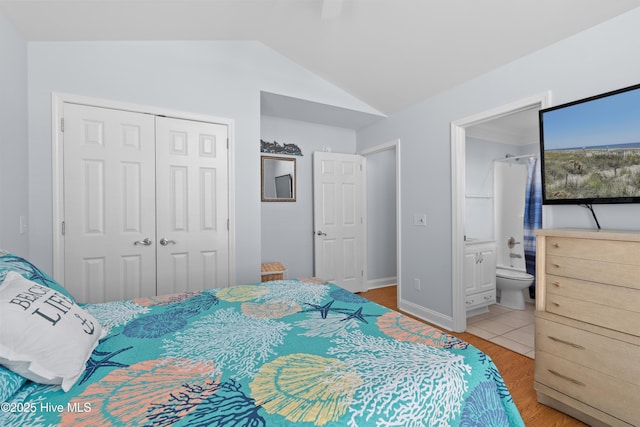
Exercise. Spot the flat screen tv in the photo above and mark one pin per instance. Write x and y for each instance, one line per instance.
(284, 186)
(590, 150)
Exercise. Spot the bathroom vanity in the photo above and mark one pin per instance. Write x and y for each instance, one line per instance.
(479, 275)
(588, 324)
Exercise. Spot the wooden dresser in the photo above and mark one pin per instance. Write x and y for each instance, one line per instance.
(587, 361)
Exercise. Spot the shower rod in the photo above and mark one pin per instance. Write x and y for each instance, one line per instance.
(510, 157)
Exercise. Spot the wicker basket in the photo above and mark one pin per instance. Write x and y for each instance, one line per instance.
(272, 271)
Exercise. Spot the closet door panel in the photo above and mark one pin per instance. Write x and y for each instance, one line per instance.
(109, 203)
(192, 205)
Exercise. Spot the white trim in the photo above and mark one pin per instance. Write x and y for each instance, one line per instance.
(426, 314)
(57, 187)
(458, 162)
(58, 100)
(365, 226)
(391, 145)
(382, 147)
(381, 283)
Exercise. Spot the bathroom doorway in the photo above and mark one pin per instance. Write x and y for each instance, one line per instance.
(496, 124)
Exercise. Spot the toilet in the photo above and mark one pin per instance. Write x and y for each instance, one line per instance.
(511, 283)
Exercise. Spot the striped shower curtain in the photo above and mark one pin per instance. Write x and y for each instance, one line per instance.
(532, 217)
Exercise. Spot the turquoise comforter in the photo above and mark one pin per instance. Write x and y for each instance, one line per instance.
(279, 353)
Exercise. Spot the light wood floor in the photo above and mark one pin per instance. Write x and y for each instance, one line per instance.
(516, 369)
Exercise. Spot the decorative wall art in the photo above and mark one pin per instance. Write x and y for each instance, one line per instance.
(276, 148)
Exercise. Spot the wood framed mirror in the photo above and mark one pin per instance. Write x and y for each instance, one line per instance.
(278, 182)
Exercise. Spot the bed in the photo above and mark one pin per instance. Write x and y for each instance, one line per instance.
(287, 352)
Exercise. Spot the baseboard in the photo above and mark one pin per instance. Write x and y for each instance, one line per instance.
(427, 315)
(381, 283)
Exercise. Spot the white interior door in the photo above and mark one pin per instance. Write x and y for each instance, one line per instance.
(109, 203)
(338, 207)
(192, 205)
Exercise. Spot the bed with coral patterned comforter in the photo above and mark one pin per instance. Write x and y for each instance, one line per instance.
(271, 354)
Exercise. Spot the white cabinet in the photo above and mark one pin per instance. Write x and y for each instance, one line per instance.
(480, 274)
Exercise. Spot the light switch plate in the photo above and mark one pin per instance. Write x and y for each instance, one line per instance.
(24, 226)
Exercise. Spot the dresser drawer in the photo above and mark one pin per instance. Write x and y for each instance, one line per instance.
(594, 271)
(480, 299)
(597, 314)
(604, 354)
(611, 395)
(612, 296)
(615, 251)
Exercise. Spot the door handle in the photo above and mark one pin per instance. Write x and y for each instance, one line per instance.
(146, 242)
(165, 242)
(320, 233)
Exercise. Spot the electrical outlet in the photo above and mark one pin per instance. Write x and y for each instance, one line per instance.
(420, 220)
(416, 284)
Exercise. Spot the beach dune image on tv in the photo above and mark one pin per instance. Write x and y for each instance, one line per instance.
(591, 149)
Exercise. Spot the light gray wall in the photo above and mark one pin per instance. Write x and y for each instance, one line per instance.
(287, 227)
(600, 59)
(221, 79)
(14, 189)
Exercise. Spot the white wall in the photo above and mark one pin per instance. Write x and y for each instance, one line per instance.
(221, 79)
(479, 206)
(287, 227)
(595, 61)
(14, 189)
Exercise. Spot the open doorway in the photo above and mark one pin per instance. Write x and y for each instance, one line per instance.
(382, 267)
(459, 129)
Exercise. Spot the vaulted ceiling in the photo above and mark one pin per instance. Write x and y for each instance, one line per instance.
(388, 53)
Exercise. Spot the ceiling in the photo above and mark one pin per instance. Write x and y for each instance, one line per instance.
(390, 54)
(518, 128)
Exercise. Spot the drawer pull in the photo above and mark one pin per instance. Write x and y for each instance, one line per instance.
(556, 245)
(561, 341)
(556, 284)
(564, 377)
(556, 265)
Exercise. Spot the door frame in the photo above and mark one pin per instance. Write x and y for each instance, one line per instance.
(458, 187)
(58, 99)
(391, 145)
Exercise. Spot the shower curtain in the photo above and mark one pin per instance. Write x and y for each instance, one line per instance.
(532, 217)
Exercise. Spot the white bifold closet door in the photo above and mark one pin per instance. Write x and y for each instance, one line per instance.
(192, 205)
(145, 204)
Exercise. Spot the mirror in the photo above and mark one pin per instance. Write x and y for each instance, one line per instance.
(278, 179)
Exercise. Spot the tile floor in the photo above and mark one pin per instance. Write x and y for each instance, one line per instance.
(512, 329)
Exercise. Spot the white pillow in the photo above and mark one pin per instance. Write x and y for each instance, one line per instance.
(44, 336)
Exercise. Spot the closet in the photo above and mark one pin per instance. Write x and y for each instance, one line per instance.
(145, 204)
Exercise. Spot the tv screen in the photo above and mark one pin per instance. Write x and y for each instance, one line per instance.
(284, 186)
(590, 149)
